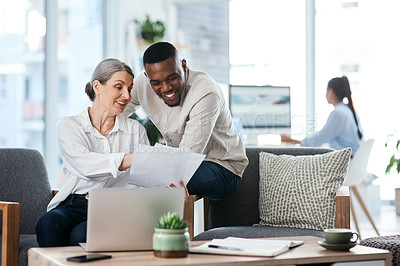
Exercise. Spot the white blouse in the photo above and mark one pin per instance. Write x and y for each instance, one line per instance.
(91, 160)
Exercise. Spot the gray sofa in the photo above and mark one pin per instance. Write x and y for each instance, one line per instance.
(235, 215)
(24, 194)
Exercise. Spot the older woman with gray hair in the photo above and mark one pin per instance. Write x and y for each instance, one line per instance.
(96, 148)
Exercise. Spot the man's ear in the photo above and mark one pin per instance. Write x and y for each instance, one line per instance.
(145, 73)
(184, 65)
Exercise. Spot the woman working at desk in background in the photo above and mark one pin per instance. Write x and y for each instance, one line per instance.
(96, 148)
(343, 128)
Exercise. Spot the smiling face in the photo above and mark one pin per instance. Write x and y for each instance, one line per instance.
(167, 79)
(113, 96)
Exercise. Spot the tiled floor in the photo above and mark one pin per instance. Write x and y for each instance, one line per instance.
(387, 222)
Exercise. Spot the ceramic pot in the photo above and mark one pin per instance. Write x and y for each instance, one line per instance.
(397, 200)
(171, 243)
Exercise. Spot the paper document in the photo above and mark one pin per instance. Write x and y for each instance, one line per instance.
(246, 247)
(160, 165)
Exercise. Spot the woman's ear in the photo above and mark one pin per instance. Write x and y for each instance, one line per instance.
(96, 86)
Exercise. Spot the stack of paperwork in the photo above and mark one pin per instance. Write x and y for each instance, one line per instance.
(160, 165)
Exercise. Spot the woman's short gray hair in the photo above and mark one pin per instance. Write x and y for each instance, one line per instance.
(103, 71)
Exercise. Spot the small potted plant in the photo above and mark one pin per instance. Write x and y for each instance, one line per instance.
(151, 31)
(394, 162)
(171, 238)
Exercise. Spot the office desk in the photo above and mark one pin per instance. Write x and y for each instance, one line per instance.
(308, 253)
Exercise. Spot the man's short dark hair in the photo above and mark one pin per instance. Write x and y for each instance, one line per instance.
(159, 52)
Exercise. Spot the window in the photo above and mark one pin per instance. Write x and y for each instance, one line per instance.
(204, 28)
(22, 33)
(22, 54)
(267, 47)
(349, 42)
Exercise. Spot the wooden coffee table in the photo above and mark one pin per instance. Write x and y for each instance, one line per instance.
(308, 253)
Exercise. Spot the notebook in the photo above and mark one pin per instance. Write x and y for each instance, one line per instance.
(122, 219)
(246, 247)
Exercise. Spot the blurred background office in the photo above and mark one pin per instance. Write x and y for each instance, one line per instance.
(49, 47)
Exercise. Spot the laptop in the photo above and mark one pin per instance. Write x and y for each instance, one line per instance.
(123, 219)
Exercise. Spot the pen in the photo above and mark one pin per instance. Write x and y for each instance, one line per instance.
(224, 247)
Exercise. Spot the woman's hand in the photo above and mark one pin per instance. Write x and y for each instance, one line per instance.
(183, 186)
(126, 162)
(285, 138)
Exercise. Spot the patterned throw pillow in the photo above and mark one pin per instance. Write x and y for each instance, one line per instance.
(299, 191)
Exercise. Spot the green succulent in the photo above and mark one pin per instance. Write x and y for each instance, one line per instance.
(171, 221)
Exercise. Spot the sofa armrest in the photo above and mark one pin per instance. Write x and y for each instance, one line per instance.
(10, 233)
(188, 212)
(343, 207)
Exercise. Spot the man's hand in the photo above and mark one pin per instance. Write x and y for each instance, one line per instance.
(181, 185)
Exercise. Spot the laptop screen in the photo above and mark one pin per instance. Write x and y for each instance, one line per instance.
(124, 219)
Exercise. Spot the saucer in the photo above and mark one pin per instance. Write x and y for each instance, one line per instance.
(337, 247)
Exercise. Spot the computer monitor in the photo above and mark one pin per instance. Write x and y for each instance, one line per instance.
(261, 109)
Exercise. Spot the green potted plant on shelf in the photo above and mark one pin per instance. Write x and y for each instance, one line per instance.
(171, 238)
(394, 162)
(151, 31)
